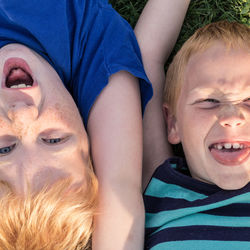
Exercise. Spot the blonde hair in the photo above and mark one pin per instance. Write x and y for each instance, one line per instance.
(57, 217)
(232, 34)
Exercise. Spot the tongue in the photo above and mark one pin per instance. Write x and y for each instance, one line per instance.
(18, 76)
(230, 157)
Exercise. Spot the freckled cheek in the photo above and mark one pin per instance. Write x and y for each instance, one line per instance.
(64, 113)
(3, 120)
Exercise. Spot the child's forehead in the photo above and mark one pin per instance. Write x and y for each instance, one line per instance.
(216, 67)
(208, 54)
(208, 60)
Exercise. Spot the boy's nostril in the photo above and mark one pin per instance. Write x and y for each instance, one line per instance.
(232, 123)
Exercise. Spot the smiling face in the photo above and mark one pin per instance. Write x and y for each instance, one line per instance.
(42, 138)
(212, 119)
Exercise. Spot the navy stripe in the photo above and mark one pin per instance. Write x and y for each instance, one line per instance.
(156, 204)
(238, 210)
(199, 233)
(149, 231)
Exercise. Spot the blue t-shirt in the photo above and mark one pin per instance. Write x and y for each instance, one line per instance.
(85, 41)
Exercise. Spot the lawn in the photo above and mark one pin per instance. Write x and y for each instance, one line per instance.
(200, 12)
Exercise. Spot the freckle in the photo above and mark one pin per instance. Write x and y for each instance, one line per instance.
(57, 106)
(20, 129)
(2, 124)
(222, 81)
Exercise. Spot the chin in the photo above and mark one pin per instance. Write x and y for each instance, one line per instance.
(232, 184)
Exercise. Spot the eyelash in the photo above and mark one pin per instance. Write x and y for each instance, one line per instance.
(56, 140)
(215, 103)
(211, 100)
(208, 103)
(52, 141)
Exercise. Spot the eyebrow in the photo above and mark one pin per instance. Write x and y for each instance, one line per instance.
(207, 92)
(217, 92)
(6, 138)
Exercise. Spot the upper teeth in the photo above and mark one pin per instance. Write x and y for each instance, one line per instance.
(18, 86)
(228, 145)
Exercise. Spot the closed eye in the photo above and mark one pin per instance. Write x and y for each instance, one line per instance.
(211, 100)
(54, 141)
(208, 103)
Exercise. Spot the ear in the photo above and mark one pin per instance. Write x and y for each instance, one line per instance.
(170, 119)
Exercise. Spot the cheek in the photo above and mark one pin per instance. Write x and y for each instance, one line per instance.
(4, 121)
(67, 114)
(195, 129)
(64, 113)
(198, 122)
(2, 124)
(76, 165)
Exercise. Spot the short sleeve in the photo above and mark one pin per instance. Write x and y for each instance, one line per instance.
(110, 47)
(85, 41)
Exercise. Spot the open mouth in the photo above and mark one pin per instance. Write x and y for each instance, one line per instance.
(230, 153)
(18, 78)
(17, 74)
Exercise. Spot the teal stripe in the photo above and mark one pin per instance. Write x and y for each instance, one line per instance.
(208, 220)
(161, 218)
(173, 165)
(202, 245)
(160, 189)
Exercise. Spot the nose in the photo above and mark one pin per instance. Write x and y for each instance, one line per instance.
(231, 116)
(22, 112)
(21, 186)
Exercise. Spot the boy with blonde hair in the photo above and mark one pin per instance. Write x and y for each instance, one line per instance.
(202, 202)
(59, 216)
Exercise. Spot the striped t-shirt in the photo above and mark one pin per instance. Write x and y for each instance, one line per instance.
(187, 214)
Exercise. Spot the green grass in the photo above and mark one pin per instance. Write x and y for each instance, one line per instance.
(200, 12)
(129, 9)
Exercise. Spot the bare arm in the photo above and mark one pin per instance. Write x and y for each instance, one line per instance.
(115, 130)
(157, 30)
